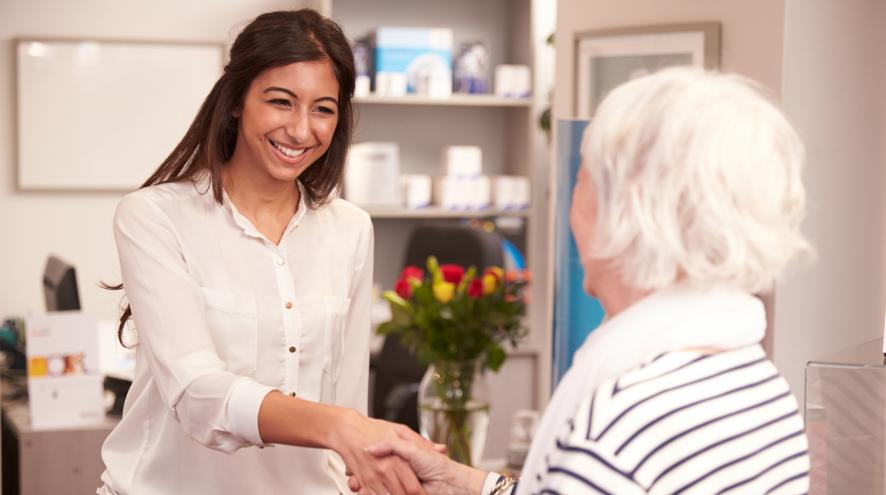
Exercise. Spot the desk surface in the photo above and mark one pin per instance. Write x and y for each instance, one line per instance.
(19, 417)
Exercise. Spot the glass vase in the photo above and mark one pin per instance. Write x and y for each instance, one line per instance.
(453, 408)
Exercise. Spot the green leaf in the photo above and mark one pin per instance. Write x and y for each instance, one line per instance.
(400, 315)
(495, 357)
(395, 299)
(466, 279)
(426, 356)
(434, 270)
(388, 328)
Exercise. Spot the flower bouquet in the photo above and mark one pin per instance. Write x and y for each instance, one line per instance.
(456, 321)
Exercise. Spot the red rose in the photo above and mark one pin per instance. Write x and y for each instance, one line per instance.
(475, 289)
(452, 273)
(412, 272)
(403, 289)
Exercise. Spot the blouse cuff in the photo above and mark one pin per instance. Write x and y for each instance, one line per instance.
(243, 406)
(489, 483)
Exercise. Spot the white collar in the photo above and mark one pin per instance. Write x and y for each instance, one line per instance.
(677, 317)
(203, 186)
(250, 229)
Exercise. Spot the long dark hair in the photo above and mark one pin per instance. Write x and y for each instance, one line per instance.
(273, 39)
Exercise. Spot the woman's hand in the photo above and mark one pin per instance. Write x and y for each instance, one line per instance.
(438, 474)
(377, 475)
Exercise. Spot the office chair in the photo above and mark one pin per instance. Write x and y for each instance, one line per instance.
(397, 371)
(458, 244)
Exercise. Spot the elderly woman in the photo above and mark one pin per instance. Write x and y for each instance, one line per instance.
(687, 204)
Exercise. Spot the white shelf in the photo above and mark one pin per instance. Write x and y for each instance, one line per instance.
(463, 100)
(433, 212)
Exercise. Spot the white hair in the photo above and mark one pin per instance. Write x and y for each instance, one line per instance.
(697, 179)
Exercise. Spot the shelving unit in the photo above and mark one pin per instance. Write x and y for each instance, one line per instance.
(454, 100)
(439, 213)
(514, 32)
(505, 128)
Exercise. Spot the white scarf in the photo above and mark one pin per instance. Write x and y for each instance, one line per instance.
(670, 319)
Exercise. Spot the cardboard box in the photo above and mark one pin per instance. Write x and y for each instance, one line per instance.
(463, 161)
(372, 176)
(417, 191)
(419, 57)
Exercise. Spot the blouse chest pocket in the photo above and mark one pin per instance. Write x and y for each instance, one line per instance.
(336, 315)
(324, 326)
(233, 322)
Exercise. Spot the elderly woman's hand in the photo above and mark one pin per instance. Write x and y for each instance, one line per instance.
(438, 474)
(379, 475)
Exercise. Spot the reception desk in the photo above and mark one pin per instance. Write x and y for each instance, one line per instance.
(42, 462)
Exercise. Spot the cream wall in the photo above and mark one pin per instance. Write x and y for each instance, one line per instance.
(77, 226)
(826, 61)
(752, 30)
(834, 91)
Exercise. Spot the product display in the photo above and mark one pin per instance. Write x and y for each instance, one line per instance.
(510, 192)
(395, 61)
(372, 176)
(413, 60)
(416, 191)
(472, 69)
(463, 161)
(363, 66)
(513, 81)
(449, 193)
(464, 187)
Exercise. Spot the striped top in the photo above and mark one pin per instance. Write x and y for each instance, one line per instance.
(685, 423)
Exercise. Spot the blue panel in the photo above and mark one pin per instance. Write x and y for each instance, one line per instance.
(575, 313)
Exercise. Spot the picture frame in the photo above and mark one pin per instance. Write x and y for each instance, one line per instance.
(606, 58)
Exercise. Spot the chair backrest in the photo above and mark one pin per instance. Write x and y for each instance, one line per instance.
(459, 244)
(397, 371)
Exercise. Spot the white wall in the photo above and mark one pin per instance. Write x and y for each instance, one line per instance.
(834, 91)
(77, 226)
(751, 43)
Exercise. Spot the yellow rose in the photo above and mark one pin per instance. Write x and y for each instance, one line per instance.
(498, 272)
(489, 284)
(444, 291)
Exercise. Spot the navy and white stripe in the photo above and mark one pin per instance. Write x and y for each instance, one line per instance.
(685, 423)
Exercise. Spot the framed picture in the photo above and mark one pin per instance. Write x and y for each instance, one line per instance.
(606, 58)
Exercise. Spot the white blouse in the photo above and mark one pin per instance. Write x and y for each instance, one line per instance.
(223, 316)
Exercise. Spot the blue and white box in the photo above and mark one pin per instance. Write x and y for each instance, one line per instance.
(419, 57)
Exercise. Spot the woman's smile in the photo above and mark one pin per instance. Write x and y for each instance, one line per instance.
(291, 155)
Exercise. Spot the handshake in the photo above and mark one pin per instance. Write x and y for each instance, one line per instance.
(385, 458)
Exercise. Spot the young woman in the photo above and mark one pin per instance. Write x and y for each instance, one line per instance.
(249, 287)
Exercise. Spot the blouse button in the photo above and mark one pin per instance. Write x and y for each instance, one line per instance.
(292, 394)
(292, 348)
(281, 261)
(288, 305)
